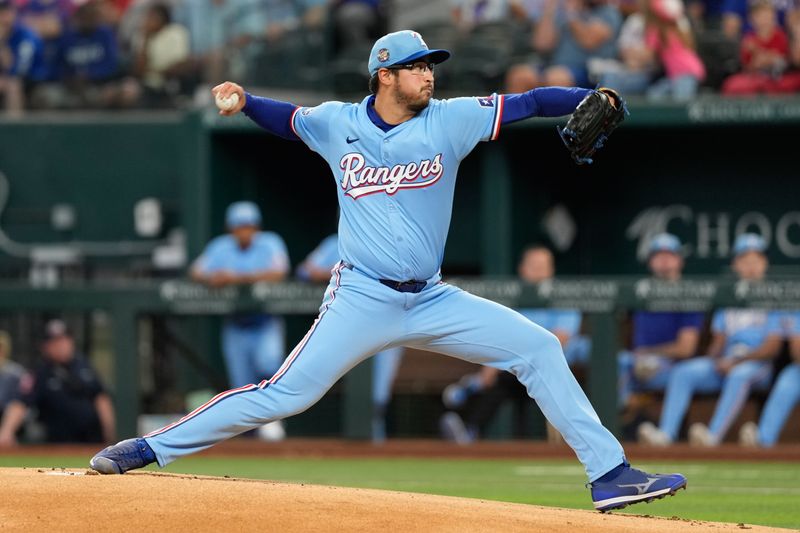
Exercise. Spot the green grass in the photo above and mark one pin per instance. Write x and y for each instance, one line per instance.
(755, 493)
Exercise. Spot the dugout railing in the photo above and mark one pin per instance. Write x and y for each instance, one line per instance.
(602, 300)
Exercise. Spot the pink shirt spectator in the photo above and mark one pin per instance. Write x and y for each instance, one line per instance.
(677, 58)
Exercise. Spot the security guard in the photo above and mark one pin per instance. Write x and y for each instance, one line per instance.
(71, 402)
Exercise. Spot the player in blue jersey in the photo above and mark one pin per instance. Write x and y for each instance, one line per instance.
(317, 267)
(783, 397)
(739, 359)
(253, 343)
(394, 158)
(659, 339)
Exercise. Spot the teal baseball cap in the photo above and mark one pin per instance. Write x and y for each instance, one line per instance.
(402, 47)
(749, 242)
(242, 214)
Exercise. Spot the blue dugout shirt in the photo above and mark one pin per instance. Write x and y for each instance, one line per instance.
(745, 329)
(652, 329)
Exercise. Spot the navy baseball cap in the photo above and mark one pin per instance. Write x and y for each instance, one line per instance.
(749, 242)
(402, 47)
(55, 328)
(242, 214)
(664, 242)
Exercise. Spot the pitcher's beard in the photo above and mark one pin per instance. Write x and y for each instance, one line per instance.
(414, 103)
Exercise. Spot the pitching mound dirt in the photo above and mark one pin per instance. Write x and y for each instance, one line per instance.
(70, 500)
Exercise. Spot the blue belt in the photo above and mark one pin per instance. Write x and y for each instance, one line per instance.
(411, 285)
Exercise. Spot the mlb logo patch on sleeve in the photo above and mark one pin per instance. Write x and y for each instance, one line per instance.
(486, 101)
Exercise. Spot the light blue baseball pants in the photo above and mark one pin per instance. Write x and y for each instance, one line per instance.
(700, 375)
(384, 370)
(784, 396)
(359, 317)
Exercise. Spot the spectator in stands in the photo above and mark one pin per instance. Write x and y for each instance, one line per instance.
(253, 343)
(467, 14)
(71, 402)
(228, 34)
(210, 26)
(90, 73)
(264, 21)
(527, 12)
(705, 14)
(573, 32)
(735, 20)
(317, 268)
(21, 58)
(112, 11)
(10, 373)
(660, 38)
(632, 73)
(478, 396)
(161, 56)
(357, 21)
(669, 35)
(48, 19)
(783, 397)
(659, 339)
(765, 56)
(743, 344)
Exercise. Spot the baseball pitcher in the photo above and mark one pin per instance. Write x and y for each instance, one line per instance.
(394, 158)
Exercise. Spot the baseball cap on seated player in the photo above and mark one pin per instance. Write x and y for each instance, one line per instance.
(749, 242)
(54, 328)
(242, 214)
(402, 47)
(664, 242)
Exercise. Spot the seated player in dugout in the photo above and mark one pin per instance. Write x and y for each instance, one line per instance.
(783, 397)
(744, 342)
(473, 401)
(71, 403)
(659, 339)
(394, 158)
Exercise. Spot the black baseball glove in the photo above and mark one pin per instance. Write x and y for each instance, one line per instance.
(598, 114)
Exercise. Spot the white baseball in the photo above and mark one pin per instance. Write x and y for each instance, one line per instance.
(226, 104)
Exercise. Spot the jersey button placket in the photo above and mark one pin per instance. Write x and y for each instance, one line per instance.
(391, 207)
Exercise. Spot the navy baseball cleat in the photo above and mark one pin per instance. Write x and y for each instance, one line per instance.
(630, 486)
(123, 456)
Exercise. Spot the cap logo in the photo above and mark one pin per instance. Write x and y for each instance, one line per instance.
(383, 55)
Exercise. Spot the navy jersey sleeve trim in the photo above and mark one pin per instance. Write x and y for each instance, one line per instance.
(273, 115)
(543, 102)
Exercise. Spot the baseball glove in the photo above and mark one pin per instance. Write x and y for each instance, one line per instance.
(598, 114)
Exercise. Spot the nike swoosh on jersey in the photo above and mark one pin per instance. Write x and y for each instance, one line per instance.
(351, 141)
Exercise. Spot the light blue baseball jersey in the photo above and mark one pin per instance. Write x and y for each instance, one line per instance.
(745, 329)
(566, 320)
(266, 252)
(383, 231)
